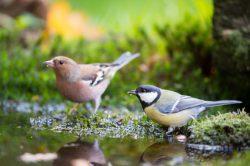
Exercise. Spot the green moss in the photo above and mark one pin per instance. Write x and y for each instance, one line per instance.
(223, 129)
(105, 124)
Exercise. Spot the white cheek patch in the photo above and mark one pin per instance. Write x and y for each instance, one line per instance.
(148, 97)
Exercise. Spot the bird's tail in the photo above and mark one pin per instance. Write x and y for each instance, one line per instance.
(221, 102)
(124, 59)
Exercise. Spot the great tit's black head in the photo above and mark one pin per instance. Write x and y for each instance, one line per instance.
(147, 94)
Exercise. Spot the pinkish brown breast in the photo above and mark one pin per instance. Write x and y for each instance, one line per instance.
(79, 91)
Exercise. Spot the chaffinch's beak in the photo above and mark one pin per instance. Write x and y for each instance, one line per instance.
(50, 63)
(132, 92)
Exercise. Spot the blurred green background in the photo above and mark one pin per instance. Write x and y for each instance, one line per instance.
(174, 38)
(124, 16)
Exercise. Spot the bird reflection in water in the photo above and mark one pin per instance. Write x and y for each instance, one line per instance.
(80, 153)
(162, 153)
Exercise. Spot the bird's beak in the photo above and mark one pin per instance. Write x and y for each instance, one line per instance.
(49, 63)
(132, 92)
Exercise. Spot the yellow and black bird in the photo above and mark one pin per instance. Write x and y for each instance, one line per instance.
(164, 153)
(170, 108)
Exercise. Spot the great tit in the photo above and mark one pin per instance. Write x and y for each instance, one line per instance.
(84, 82)
(170, 108)
(162, 153)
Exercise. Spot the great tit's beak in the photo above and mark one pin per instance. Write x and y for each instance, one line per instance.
(50, 63)
(132, 92)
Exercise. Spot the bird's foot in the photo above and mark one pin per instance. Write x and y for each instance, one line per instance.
(169, 132)
(97, 104)
(73, 109)
(89, 107)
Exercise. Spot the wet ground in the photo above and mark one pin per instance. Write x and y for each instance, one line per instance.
(24, 141)
(69, 149)
(22, 145)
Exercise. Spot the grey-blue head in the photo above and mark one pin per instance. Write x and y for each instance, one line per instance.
(147, 94)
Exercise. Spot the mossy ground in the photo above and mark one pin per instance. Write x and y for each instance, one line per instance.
(229, 129)
(105, 123)
(226, 129)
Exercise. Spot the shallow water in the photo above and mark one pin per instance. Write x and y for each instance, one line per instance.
(69, 149)
(21, 144)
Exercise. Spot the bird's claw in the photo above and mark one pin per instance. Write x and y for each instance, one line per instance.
(169, 132)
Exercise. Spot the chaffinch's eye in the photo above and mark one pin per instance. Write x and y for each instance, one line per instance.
(61, 62)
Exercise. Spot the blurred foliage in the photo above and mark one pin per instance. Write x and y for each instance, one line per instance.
(223, 129)
(170, 62)
(232, 48)
(174, 56)
(232, 63)
(123, 16)
(70, 24)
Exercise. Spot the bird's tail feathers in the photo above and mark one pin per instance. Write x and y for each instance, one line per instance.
(220, 103)
(124, 59)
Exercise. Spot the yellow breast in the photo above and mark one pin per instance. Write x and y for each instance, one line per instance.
(175, 119)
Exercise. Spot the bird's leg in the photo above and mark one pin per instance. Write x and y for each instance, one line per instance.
(97, 103)
(170, 130)
(74, 108)
(89, 107)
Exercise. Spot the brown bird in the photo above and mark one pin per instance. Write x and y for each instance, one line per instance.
(80, 153)
(85, 82)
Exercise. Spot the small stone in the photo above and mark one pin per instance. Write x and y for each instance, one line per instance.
(181, 138)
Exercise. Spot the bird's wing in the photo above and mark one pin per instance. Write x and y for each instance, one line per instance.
(93, 74)
(186, 102)
(173, 102)
(167, 101)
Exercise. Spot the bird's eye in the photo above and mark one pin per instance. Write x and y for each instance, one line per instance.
(143, 90)
(60, 62)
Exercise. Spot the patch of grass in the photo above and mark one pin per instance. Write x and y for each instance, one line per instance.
(223, 129)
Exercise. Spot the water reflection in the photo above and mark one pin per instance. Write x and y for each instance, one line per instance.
(164, 153)
(80, 153)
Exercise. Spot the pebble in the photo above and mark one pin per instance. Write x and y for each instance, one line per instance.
(181, 138)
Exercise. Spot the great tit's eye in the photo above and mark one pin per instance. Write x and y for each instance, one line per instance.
(142, 90)
(61, 62)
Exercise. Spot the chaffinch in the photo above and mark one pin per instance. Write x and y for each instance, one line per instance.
(171, 108)
(84, 82)
(80, 153)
